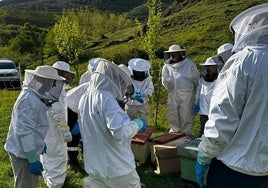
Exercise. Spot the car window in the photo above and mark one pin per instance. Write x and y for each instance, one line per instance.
(7, 65)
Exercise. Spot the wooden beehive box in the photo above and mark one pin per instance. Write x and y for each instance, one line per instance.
(140, 144)
(164, 152)
(167, 139)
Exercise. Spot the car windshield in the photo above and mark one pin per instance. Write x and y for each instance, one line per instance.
(7, 65)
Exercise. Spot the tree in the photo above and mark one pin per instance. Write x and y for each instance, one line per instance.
(151, 42)
(69, 39)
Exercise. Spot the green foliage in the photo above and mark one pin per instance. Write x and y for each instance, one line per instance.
(69, 39)
(24, 44)
(151, 44)
(7, 101)
(151, 39)
(96, 23)
(37, 18)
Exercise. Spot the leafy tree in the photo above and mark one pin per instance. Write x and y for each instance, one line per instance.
(26, 46)
(69, 39)
(151, 43)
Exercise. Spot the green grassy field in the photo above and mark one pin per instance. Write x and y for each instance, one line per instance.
(146, 171)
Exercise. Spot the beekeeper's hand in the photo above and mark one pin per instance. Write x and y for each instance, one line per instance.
(67, 136)
(141, 123)
(137, 96)
(201, 166)
(75, 130)
(35, 166)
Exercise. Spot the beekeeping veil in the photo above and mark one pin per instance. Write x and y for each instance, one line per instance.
(108, 76)
(42, 80)
(246, 22)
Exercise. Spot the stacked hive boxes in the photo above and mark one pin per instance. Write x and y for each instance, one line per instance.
(164, 152)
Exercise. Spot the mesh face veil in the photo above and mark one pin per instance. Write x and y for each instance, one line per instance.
(249, 20)
(120, 79)
(55, 91)
(47, 87)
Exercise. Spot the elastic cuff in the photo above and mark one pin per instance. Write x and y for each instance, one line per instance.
(31, 156)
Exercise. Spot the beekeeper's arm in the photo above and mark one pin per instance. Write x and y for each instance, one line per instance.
(167, 79)
(25, 126)
(197, 97)
(196, 76)
(58, 117)
(73, 96)
(150, 88)
(118, 122)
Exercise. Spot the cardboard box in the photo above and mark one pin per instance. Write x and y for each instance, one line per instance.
(140, 144)
(167, 139)
(188, 155)
(167, 159)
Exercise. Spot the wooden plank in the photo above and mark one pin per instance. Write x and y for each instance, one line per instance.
(143, 136)
(166, 137)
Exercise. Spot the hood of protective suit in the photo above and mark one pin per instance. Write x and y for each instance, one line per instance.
(249, 20)
(257, 37)
(109, 77)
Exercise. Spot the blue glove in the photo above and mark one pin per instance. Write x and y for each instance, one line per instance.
(201, 166)
(44, 150)
(137, 96)
(75, 130)
(196, 108)
(141, 123)
(36, 168)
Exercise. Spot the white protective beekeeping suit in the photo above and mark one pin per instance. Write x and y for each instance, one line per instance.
(180, 79)
(29, 121)
(105, 128)
(143, 85)
(92, 65)
(205, 88)
(55, 159)
(238, 115)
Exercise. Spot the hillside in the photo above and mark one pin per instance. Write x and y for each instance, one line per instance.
(44, 13)
(199, 26)
(58, 5)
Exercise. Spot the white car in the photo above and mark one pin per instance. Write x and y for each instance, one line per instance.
(9, 74)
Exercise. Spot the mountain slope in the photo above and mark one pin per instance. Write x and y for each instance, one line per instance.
(44, 13)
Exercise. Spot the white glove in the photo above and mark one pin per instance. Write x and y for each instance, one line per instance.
(67, 136)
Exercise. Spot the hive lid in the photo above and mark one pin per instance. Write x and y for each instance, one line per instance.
(143, 136)
(166, 137)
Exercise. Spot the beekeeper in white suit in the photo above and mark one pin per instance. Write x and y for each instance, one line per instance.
(72, 98)
(55, 158)
(235, 145)
(225, 52)
(92, 65)
(107, 130)
(29, 124)
(137, 105)
(180, 77)
(205, 88)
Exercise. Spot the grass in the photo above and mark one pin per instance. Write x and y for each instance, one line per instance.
(73, 180)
